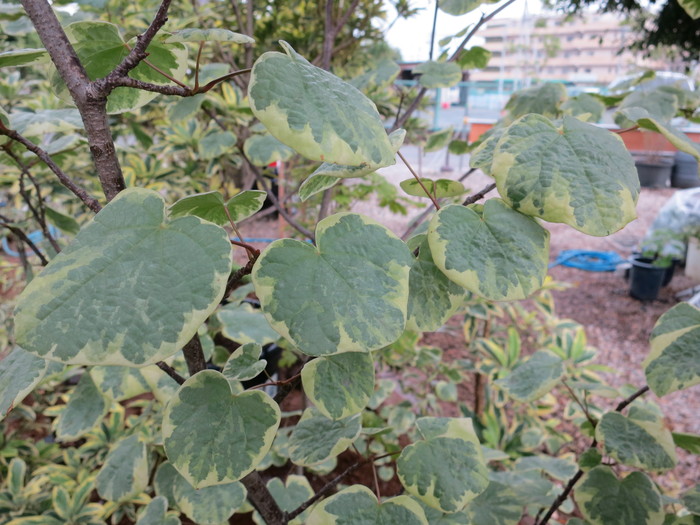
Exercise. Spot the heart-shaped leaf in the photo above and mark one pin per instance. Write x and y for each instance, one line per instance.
(543, 100)
(293, 492)
(465, 241)
(533, 378)
(124, 473)
(438, 74)
(439, 188)
(100, 48)
(475, 57)
(497, 505)
(638, 440)
(262, 150)
(605, 500)
(578, 174)
(358, 277)
(316, 438)
(156, 513)
(316, 113)
(244, 363)
(20, 372)
(357, 505)
(339, 385)
(131, 289)
(432, 297)
(447, 469)
(210, 206)
(206, 455)
(209, 35)
(674, 360)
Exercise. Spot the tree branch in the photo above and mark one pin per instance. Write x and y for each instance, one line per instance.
(194, 355)
(480, 195)
(626, 402)
(171, 372)
(7, 223)
(482, 21)
(262, 500)
(79, 192)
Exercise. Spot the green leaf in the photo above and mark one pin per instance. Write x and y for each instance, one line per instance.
(639, 440)
(244, 363)
(439, 188)
(22, 57)
(63, 222)
(207, 505)
(447, 469)
(482, 156)
(660, 105)
(262, 150)
(460, 147)
(185, 108)
(125, 470)
(438, 74)
(165, 480)
(119, 382)
(383, 74)
(316, 183)
(497, 505)
(673, 135)
(584, 105)
(691, 499)
(692, 7)
(544, 100)
(216, 143)
(689, 442)
(316, 438)
(439, 139)
(357, 505)
(84, 410)
(31, 123)
(674, 360)
(363, 264)
(475, 57)
(604, 500)
(100, 48)
(210, 206)
(465, 241)
(292, 493)
(206, 455)
(461, 7)
(244, 324)
(339, 385)
(209, 35)
(131, 289)
(156, 513)
(578, 174)
(20, 372)
(316, 113)
(562, 469)
(533, 378)
(432, 297)
(589, 459)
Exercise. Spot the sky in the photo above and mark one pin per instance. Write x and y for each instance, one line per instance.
(412, 36)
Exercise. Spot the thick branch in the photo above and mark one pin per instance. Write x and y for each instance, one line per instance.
(262, 500)
(194, 355)
(79, 192)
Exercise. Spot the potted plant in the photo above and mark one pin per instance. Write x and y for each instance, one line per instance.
(653, 164)
(654, 265)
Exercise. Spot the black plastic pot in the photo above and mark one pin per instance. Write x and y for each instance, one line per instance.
(646, 279)
(685, 171)
(654, 172)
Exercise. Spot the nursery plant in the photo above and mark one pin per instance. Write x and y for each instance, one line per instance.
(136, 334)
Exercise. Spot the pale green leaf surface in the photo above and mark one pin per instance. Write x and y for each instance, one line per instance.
(358, 279)
(432, 297)
(209, 35)
(439, 188)
(186, 107)
(22, 57)
(465, 242)
(316, 183)
(162, 385)
(85, 408)
(438, 74)
(584, 105)
(125, 471)
(461, 7)
(244, 324)
(529, 486)
(639, 440)
(119, 382)
(165, 480)
(497, 505)
(131, 289)
(244, 363)
(674, 360)
(691, 499)
(206, 455)
(559, 468)
(447, 469)
(689, 442)
(156, 513)
(357, 505)
(339, 385)
(216, 143)
(679, 139)
(544, 100)
(578, 174)
(316, 438)
(439, 139)
(692, 7)
(605, 500)
(381, 75)
(533, 378)
(475, 57)
(20, 372)
(661, 105)
(263, 150)
(63, 222)
(482, 156)
(30, 123)
(100, 48)
(316, 113)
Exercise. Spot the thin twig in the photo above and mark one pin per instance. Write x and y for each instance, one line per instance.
(623, 404)
(171, 372)
(621, 131)
(6, 223)
(579, 403)
(420, 182)
(482, 21)
(479, 195)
